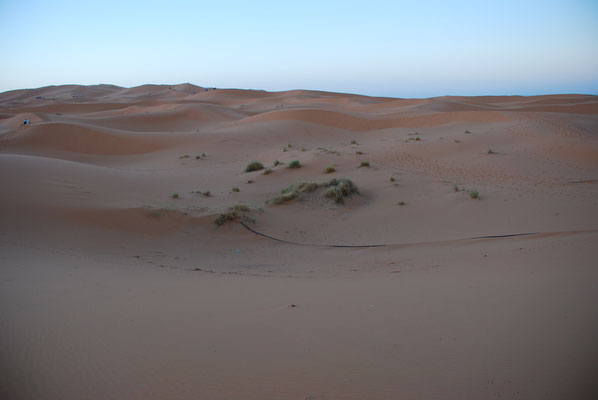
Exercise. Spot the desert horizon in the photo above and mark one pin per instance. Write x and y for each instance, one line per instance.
(183, 242)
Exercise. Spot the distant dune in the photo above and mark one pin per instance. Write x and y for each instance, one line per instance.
(464, 267)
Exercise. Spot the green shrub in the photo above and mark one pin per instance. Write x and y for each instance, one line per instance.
(236, 189)
(234, 213)
(295, 164)
(277, 163)
(353, 142)
(329, 170)
(175, 196)
(474, 194)
(364, 164)
(401, 203)
(359, 152)
(490, 151)
(254, 166)
(267, 171)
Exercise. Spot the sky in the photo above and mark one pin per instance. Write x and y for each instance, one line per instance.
(383, 48)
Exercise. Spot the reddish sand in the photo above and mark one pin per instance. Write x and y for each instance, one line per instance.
(110, 288)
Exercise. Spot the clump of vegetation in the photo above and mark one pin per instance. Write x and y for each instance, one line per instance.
(207, 193)
(359, 152)
(234, 213)
(467, 132)
(401, 203)
(303, 149)
(417, 139)
(236, 189)
(456, 187)
(198, 157)
(254, 166)
(491, 152)
(175, 196)
(277, 163)
(295, 164)
(336, 189)
(474, 194)
(330, 169)
(203, 155)
(185, 156)
(250, 181)
(364, 164)
(353, 142)
(267, 171)
(392, 179)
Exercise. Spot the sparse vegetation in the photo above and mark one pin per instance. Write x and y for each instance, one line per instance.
(277, 163)
(491, 152)
(392, 179)
(236, 189)
(250, 181)
(359, 152)
(303, 149)
(175, 196)
(401, 203)
(184, 156)
(198, 157)
(353, 142)
(295, 164)
(336, 189)
(234, 213)
(456, 188)
(267, 171)
(417, 139)
(207, 193)
(364, 164)
(330, 169)
(467, 132)
(254, 166)
(203, 155)
(474, 194)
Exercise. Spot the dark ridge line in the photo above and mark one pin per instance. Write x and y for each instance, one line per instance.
(399, 244)
(503, 236)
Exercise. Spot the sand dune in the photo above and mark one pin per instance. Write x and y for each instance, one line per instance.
(116, 282)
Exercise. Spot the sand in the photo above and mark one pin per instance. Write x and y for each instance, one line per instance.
(110, 288)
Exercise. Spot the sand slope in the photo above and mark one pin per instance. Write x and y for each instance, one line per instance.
(116, 283)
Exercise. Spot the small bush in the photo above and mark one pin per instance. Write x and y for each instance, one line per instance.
(207, 193)
(250, 181)
(234, 213)
(236, 189)
(277, 163)
(456, 187)
(467, 132)
(254, 166)
(329, 170)
(401, 203)
(197, 157)
(267, 171)
(185, 156)
(295, 164)
(417, 139)
(336, 189)
(359, 152)
(175, 196)
(203, 155)
(353, 142)
(474, 194)
(392, 179)
(490, 151)
(364, 164)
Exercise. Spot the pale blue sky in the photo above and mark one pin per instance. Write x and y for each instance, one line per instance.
(391, 48)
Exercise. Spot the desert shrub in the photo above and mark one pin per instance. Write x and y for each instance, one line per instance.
(364, 164)
(267, 171)
(277, 163)
(330, 169)
(392, 179)
(234, 213)
(207, 193)
(236, 189)
(254, 166)
(359, 152)
(175, 196)
(353, 142)
(456, 188)
(491, 152)
(401, 203)
(295, 164)
(474, 194)
(336, 189)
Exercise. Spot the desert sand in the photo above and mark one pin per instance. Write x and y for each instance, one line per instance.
(113, 287)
